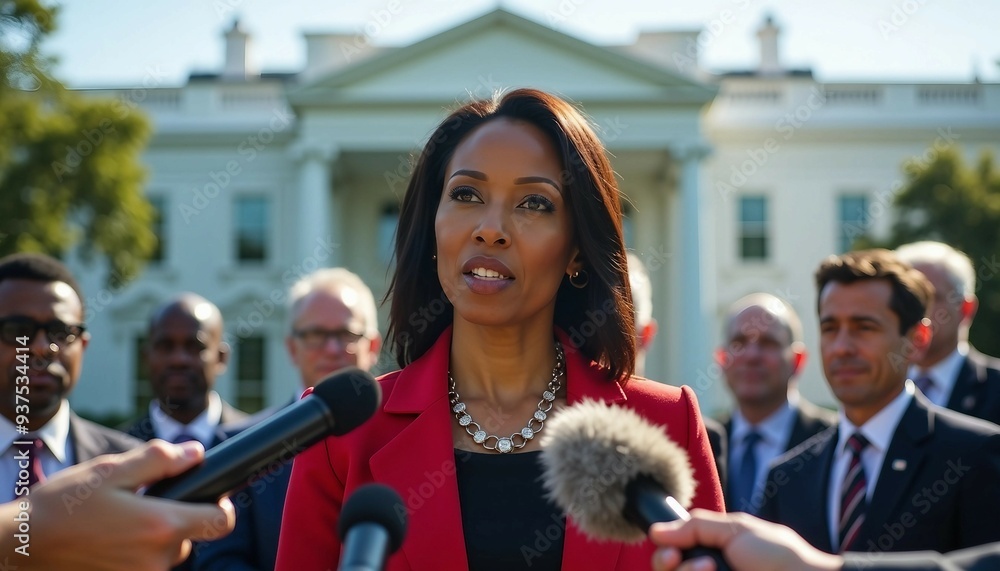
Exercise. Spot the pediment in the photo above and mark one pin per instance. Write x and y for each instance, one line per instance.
(500, 50)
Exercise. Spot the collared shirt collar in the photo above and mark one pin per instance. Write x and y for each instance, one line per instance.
(202, 427)
(944, 373)
(775, 429)
(55, 433)
(879, 428)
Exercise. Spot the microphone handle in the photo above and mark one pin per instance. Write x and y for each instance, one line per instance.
(231, 464)
(646, 503)
(365, 548)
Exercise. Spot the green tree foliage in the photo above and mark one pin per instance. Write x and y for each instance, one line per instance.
(69, 164)
(944, 199)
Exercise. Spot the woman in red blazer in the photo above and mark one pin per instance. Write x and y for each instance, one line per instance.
(510, 300)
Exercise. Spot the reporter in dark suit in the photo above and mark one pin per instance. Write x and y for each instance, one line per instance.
(952, 374)
(42, 342)
(761, 357)
(897, 473)
(333, 324)
(185, 352)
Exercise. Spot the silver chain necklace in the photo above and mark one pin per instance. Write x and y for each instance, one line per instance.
(504, 444)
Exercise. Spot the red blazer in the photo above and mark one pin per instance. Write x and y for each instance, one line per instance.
(408, 445)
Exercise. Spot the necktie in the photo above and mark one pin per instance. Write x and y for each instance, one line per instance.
(746, 475)
(925, 383)
(31, 451)
(853, 494)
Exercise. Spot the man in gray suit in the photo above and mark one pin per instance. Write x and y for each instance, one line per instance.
(42, 341)
(952, 374)
(761, 357)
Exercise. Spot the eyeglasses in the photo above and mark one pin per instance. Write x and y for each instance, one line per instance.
(20, 330)
(316, 338)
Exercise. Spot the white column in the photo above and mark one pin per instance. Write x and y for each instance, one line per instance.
(697, 279)
(315, 223)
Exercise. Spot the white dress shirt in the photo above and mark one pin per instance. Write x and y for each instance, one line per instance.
(56, 455)
(202, 427)
(879, 431)
(944, 374)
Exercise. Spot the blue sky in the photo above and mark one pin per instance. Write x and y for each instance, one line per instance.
(115, 43)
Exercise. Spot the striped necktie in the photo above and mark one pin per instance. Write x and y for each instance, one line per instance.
(853, 494)
(31, 450)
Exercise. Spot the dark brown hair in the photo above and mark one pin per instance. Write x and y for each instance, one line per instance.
(39, 268)
(912, 293)
(599, 317)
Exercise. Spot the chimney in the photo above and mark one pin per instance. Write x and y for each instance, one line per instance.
(768, 36)
(327, 52)
(237, 65)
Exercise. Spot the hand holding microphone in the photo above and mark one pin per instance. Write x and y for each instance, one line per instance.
(340, 403)
(616, 474)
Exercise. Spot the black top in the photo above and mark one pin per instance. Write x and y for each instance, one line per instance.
(507, 521)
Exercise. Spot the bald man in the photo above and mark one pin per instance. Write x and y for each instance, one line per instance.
(761, 357)
(185, 353)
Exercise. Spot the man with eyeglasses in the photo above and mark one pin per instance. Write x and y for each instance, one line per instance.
(42, 341)
(333, 323)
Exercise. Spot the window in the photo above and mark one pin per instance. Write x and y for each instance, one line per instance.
(250, 368)
(853, 222)
(387, 222)
(158, 225)
(143, 388)
(628, 225)
(753, 228)
(251, 229)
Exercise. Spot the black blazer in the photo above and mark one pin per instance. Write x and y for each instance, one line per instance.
(809, 420)
(91, 439)
(982, 558)
(719, 441)
(142, 428)
(977, 387)
(944, 498)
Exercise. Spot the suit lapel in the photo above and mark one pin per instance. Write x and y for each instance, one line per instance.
(895, 477)
(87, 444)
(964, 395)
(808, 506)
(419, 462)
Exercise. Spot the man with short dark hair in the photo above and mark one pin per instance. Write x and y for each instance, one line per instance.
(185, 352)
(897, 473)
(42, 341)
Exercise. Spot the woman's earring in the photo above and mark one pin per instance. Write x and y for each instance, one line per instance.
(579, 279)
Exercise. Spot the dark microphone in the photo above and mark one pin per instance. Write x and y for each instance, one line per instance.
(616, 474)
(338, 404)
(372, 526)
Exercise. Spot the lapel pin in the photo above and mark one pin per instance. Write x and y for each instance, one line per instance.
(899, 464)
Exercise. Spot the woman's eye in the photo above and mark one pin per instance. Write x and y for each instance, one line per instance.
(539, 203)
(463, 194)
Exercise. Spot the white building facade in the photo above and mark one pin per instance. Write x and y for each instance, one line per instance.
(735, 183)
